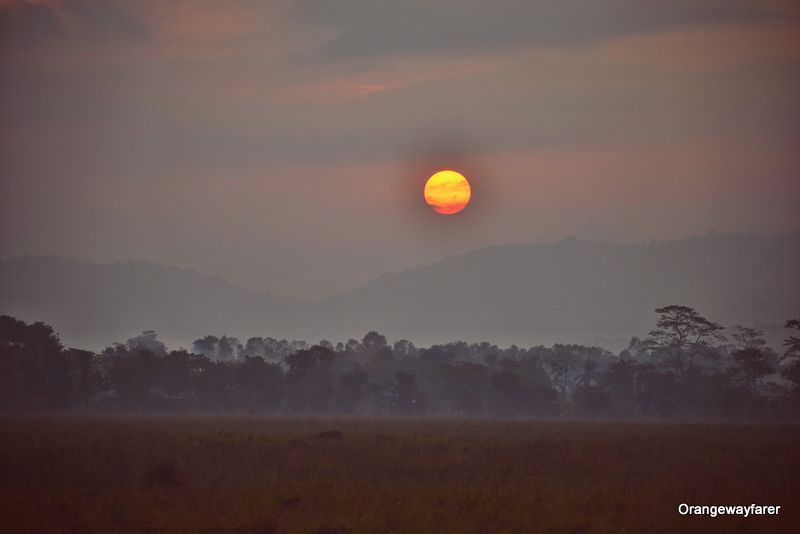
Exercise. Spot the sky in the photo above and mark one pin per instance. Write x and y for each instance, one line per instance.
(284, 145)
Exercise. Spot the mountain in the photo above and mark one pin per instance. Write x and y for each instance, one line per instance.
(93, 305)
(580, 291)
(573, 291)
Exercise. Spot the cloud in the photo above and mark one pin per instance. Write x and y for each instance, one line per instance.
(371, 29)
(31, 20)
(22, 23)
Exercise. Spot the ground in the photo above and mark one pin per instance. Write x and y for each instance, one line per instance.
(237, 474)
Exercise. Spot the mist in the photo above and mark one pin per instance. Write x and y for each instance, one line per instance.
(226, 305)
(686, 368)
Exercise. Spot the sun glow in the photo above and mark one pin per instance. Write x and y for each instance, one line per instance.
(447, 192)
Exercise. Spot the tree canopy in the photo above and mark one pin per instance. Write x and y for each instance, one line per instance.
(683, 369)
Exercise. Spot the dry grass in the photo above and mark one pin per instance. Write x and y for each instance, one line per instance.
(136, 474)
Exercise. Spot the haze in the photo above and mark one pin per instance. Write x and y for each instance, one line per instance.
(284, 146)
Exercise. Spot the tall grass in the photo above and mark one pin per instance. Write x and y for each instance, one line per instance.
(196, 474)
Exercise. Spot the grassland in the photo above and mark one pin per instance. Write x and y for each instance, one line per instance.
(194, 474)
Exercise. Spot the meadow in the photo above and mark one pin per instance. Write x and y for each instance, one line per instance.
(249, 474)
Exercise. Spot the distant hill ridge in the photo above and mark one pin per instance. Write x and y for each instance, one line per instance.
(571, 291)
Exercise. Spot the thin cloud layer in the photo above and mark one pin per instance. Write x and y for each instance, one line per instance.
(365, 28)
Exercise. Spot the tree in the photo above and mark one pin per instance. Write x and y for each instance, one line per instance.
(516, 392)
(751, 361)
(588, 373)
(561, 363)
(176, 373)
(508, 393)
(352, 387)
(83, 376)
(470, 379)
(353, 346)
(382, 365)
(463, 386)
(620, 380)
(34, 365)
(657, 391)
(207, 346)
(681, 336)
(792, 343)
(255, 346)
(214, 381)
(373, 343)
(310, 379)
(748, 338)
(404, 394)
(259, 384)
(34, 337)
(592, 400)
(228, 349)
(147, 341)
(791, 361)
(404, 348)
(637, 349)
(132, 379)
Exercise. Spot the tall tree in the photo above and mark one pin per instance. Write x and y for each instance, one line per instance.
(207, 346)
(562, 364)
(792, 343)
(228, 349)
(791, 362)
(147, 341)
(34, 365)
(681, 336)
(751, 360)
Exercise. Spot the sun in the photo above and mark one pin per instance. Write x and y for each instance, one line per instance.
(447, 192)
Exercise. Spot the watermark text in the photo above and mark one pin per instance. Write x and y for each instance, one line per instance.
(714, 511)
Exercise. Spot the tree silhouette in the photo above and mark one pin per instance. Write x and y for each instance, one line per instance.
(791, 361)
(562, 363)
(792, 343)
(260, 384)
(654, 378)
(352, 389)
(404, 396)
(207, 346)
(681, 336)
(310, 379)
(751, 361)
(147, 341)
(35, 368)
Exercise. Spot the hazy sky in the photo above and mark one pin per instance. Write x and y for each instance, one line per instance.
(284, 145)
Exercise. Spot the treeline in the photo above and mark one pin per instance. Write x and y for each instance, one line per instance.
(688, 367)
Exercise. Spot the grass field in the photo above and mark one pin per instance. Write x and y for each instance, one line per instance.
(194, 474)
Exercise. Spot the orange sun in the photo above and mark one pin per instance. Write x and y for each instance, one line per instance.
(447, 192)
